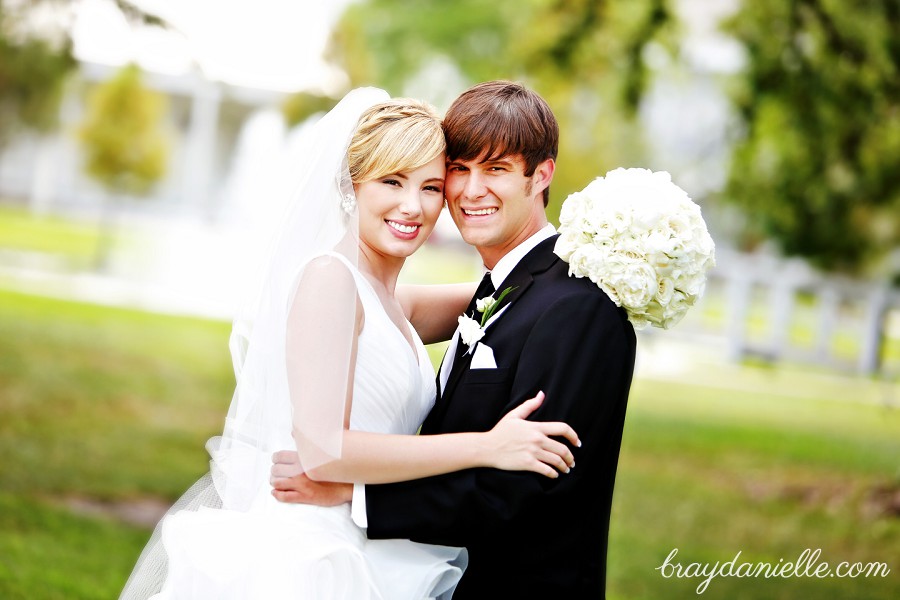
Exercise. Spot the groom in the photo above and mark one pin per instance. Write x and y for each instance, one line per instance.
(527, 536)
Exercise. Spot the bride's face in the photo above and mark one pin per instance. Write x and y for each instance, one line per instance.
(397, 212)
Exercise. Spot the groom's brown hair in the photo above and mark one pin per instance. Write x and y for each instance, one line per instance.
(501, 118)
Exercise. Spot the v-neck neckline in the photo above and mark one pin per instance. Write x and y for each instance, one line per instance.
(410, 342)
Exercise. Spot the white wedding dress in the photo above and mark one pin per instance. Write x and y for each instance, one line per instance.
(289, 551)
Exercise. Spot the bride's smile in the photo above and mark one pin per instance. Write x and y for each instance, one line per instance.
(404, 230)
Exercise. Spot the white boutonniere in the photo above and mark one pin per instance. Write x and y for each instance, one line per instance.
(470, 330)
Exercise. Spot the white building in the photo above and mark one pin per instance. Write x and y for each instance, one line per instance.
(204, 123)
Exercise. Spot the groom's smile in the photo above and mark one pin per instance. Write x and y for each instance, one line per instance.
(479, 213)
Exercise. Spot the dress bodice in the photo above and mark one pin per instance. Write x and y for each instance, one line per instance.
(393, 387)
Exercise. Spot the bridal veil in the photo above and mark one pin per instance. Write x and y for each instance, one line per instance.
(320, 220)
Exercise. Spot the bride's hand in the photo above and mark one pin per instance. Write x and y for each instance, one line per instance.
(516, 444)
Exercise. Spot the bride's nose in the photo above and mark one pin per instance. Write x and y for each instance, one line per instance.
(411, 205)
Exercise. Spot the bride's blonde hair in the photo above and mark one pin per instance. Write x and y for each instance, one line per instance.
(401, 134)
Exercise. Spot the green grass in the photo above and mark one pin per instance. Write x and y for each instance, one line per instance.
(714, 471)
(70, 240)
(85, 391)
(115, 405)
(48, 552)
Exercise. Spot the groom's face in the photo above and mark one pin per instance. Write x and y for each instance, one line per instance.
(494, 204)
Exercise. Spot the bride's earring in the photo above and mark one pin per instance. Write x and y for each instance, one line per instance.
(348, 203)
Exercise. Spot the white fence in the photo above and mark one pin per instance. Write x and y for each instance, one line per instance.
(782, 310)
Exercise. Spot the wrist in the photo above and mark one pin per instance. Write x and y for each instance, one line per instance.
(347, 493)
(482, 449)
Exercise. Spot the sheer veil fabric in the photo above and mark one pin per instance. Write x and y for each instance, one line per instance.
(320, 222)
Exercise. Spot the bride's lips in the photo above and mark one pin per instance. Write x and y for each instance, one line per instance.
(405, 230)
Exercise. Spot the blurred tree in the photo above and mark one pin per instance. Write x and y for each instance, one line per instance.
(36, 58)
(298, 107)
(125, 148)
(818, 170)
(583, 56)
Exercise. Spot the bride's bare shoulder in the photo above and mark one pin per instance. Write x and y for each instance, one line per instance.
(327, 274)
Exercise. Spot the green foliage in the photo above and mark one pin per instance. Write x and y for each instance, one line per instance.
(126, 150)
(132, 12)
(298, 107)
(820, 99)
(32, 76)
(35, 63)
(583, 56)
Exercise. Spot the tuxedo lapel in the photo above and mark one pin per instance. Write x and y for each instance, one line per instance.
(520, 279)
(532, 264)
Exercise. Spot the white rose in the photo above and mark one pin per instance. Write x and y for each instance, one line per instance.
(665, 290)
(639, 321)
(569, 241)
(586, 261)
(470, 331)
(656, 315)
(573, 209)
(482, 304)
(658, 240)
(636, 285)
(610, 291)
(693, 286)
(661, 263)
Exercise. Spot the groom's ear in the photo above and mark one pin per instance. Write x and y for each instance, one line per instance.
(543, 175)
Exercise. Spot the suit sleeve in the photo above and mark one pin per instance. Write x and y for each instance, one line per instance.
(580, 352)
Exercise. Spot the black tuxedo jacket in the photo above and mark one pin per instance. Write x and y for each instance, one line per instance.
(528, 536)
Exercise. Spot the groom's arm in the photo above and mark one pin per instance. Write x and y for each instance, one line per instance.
(581, 353)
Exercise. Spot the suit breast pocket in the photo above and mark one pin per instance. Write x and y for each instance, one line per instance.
(485, 376)
(477, 402)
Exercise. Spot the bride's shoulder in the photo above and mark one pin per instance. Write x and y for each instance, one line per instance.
(328, 274)
(327, 290)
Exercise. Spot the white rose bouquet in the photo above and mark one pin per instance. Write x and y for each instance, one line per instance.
(642, 240)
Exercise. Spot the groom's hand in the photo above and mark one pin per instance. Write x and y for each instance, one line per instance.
(292, 485)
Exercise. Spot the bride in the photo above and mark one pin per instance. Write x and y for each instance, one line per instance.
(327, 361)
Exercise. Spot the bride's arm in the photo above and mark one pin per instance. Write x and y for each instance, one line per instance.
(514, 444)
(324, 324)
(434, 309)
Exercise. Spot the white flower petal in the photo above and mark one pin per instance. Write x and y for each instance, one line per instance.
(470, 330)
